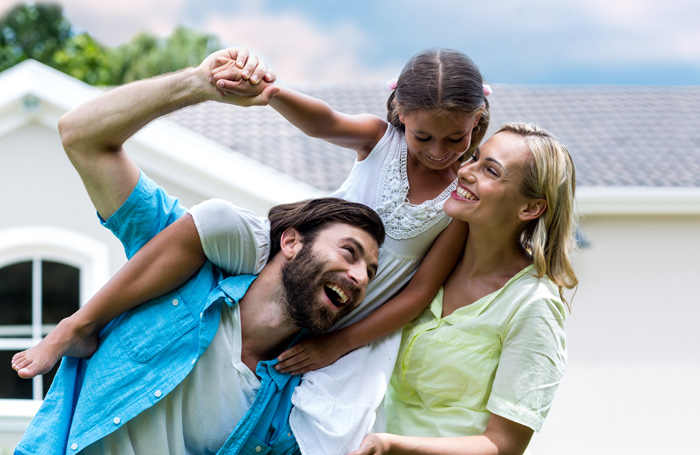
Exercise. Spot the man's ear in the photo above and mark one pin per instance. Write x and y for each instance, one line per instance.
(290, 243)
(533, 210)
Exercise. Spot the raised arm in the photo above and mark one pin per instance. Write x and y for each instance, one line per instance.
(93, 134)
(318, 352)
(312, 116)
(160, 266)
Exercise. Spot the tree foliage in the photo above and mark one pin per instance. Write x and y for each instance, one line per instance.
(41, 32)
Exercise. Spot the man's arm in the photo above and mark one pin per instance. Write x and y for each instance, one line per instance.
(93, 134)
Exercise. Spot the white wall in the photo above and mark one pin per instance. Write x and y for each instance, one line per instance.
(634, 367)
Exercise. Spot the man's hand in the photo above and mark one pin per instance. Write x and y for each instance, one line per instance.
(239, 77)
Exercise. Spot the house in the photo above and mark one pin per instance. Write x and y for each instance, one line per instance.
(632, 340)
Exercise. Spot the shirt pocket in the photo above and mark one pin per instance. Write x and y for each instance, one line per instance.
(457, 368)
(149, 328)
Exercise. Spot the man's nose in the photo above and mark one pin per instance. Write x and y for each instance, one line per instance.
(358, 274)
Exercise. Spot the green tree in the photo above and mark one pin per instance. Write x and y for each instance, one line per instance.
(41, 32)
(32, 31)
(147, 56)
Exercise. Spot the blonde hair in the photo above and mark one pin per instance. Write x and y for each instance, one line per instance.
(550, 175)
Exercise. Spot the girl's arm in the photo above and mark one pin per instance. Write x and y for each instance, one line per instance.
(162, 265)
(501, 437)
(317, 352)
(312, 116)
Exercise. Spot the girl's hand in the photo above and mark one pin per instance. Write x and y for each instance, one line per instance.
(240, 65)
(311, 354)
(373, 444)
(235, 76)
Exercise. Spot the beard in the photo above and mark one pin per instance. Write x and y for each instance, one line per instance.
(302, 278)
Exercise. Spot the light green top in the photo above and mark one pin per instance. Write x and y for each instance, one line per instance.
(503, 354)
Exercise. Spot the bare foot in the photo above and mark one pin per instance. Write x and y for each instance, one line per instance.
(65, 339)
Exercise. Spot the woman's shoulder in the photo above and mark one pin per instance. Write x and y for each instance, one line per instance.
(533, 294)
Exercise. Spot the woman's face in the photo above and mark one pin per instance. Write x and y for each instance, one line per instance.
(488, 191)
(437, 141)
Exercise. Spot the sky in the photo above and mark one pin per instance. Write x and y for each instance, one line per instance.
(655, 42)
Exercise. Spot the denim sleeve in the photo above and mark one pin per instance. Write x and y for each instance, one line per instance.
(147, 211)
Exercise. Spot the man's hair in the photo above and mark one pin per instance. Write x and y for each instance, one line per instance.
(313, 215)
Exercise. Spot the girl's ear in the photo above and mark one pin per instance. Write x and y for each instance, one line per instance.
(401, 117)
(290, 243)
(533, 210)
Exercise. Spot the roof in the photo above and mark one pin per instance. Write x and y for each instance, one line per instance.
(619, 136)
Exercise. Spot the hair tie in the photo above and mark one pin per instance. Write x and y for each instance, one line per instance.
(487, 90)
(391, 84)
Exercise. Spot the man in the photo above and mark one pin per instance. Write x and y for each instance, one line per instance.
(189, 372)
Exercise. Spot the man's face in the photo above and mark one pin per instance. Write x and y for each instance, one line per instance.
(328, 278)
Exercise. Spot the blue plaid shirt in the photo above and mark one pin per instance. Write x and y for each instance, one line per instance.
(145, 353)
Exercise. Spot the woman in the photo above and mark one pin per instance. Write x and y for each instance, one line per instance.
(477, 371)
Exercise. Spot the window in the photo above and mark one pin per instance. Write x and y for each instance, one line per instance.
(35, 295)
(46, 274)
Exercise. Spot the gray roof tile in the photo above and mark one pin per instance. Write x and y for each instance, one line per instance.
(617, 135)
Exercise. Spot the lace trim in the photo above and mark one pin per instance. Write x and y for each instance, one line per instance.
(403, 220)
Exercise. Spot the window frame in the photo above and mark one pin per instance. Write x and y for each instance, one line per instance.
(47, 243)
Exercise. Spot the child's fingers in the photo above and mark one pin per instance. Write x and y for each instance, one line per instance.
(270, 76)
(249, 68)
(241, 57)
(293, 363)
(258, 73)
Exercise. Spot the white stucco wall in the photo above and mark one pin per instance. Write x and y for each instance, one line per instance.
(634, 368)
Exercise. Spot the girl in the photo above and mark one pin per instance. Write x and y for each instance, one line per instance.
(406, 168)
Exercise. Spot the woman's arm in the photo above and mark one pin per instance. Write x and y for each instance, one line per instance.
(501, 437)
(318, 352)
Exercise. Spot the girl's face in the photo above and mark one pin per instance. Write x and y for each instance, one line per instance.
(488, 191)
(437, 141)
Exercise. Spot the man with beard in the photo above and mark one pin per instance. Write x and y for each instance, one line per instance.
(192, 371)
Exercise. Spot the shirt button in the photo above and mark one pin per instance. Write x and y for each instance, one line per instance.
(201, 315)
(158, 393)
(258, 449)
(289, 435)
(230, 300)
(116, 420)
(194, 361)
(74, 446)
(175, 302)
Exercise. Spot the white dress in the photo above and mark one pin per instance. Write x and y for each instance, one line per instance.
(334, 407)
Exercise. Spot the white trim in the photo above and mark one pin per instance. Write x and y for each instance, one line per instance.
(15, 415)
(36, 243)
(162, 148)
(61, 245)
(638, 200)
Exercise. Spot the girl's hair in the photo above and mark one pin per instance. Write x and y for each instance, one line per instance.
(549, 175)
(311, 216)
(441, 81)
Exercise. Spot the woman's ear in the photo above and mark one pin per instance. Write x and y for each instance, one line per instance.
(290, 243)
(533, 210)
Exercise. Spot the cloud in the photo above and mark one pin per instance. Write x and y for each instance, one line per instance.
(114, 23)
(298, 49)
